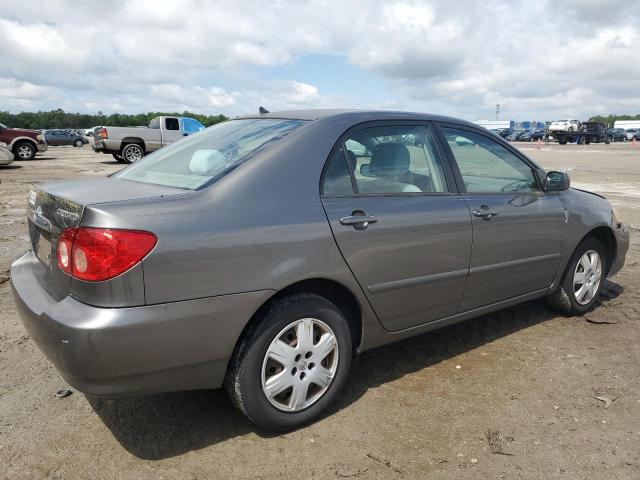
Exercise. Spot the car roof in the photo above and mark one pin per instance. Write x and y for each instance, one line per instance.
(356, 116)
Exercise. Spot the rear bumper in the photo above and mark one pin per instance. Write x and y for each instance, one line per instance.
(99, 146)
(121, 352)
(106, 146)
(622, 236)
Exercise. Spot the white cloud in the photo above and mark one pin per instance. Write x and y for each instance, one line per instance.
(442, 56)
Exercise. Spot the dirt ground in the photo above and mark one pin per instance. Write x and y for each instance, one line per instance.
(521, 393)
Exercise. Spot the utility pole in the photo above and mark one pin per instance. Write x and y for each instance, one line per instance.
(498, 108)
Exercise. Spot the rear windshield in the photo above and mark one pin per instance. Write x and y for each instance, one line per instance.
(208, 155)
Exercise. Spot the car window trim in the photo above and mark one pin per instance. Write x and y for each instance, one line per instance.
(500, 141)
(449, 175)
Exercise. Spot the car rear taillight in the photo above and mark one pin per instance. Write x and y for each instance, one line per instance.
(97, 254)
(103, 133)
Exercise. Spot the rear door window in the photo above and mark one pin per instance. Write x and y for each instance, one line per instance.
(394, 159)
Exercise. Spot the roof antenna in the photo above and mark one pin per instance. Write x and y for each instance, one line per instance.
(262, 110)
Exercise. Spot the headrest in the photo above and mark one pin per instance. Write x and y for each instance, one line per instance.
(207, 163)
(389, 160)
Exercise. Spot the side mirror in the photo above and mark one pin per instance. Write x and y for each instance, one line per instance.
(556, 182)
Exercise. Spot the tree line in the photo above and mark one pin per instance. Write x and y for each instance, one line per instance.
(61, 119)
(609, 120)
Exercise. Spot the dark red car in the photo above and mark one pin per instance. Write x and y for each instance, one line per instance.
(23, 143)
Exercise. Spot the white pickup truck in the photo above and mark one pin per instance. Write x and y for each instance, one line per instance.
(130, 144)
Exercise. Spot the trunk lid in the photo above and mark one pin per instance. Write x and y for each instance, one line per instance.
(52, 207)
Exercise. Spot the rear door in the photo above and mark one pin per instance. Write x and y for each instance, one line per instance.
(399, 222)
(170, 130)
(518, 230)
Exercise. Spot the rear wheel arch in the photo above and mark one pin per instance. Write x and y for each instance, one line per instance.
(127, 140)
(331, 290)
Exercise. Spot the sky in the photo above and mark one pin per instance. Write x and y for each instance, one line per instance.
(539, 59)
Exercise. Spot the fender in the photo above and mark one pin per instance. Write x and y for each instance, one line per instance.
(20, 139)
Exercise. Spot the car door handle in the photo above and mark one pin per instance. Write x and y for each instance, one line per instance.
(360, 221)
(485, 212)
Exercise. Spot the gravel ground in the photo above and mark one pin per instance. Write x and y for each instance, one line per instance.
(521, 393)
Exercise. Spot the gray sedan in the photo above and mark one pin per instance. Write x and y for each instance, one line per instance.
(64, 137)
(265, 252)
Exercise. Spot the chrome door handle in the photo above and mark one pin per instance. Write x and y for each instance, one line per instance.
(485, 212)
(359, 222)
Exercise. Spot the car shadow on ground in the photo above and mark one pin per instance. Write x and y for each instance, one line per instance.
(10, 167)
(163, 426)
(37, 159)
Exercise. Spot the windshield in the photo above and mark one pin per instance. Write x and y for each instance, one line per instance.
(208, 155)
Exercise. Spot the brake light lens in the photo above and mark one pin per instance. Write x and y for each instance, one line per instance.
(103, 133)
(98, 254)
(65, 244)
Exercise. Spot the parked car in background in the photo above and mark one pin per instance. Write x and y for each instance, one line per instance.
(56, 138)
(525, 136)
(130, 144)
(565, 126)
(23, 143)
(6, 156)
(531, 136)
(88, 132)
(632, 134)
(617, 134)
(538, 135)
(262, 253)
(504, 132)
(515, 135)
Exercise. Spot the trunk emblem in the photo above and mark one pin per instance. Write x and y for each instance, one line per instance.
(40, 219)
(65, 215)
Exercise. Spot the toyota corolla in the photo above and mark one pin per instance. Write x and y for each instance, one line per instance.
(265, 252)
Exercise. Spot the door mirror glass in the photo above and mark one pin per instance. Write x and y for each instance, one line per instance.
(556, 182)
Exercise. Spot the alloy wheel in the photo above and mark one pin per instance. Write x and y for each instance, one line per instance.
(25, 152)
(133, 153)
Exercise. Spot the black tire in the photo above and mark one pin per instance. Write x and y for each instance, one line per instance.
(78, 143)
(118, 157)
(24, 151)
(244, 375)
(564, 298)
(132, 152)
(562, 142)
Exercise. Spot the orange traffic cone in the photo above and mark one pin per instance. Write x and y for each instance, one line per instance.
(633, 142)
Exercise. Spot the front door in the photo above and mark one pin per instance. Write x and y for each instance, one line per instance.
(402, 228)
(518, 230)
